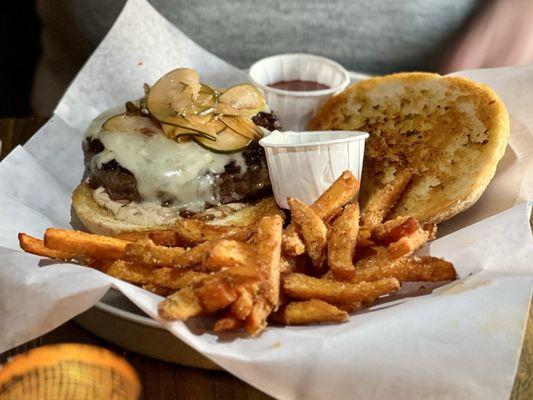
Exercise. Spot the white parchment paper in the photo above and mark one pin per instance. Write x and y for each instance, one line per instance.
(458, 341)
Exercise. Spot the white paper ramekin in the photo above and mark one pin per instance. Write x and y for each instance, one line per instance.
(295, 108)
(304, 164)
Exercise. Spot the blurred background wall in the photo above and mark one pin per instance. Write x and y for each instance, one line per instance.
(372, 36)
(20, 49)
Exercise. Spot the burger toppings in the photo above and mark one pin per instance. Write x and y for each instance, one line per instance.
(162, 151)
(185, 109)
(131, 123)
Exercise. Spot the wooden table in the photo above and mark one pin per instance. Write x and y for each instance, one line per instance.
(162, 380)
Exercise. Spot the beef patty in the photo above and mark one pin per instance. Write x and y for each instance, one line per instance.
(232, 185)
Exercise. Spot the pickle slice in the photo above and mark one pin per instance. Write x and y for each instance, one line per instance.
(227, 142)
(181, 134)
(131, 123)
(226, 109)
(173, 93)
(193, 122)
(243, 126)
(207, 91)
(206, 100)
(198, 120)
(244, 97)
(206, 123)
(181, 103)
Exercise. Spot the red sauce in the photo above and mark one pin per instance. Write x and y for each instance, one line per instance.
(299, 86)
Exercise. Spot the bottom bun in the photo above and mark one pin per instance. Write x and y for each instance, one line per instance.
(99, 220)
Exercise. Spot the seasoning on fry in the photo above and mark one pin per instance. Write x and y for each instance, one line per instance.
(305, 287)
(85, 244)
(309, 312)
(342, 242)
(312, 229)
(384, 200)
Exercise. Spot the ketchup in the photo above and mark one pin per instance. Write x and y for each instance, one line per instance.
(298, 86)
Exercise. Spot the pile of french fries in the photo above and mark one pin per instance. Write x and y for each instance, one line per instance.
(331, 260)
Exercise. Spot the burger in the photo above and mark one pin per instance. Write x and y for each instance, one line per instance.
(184, 150)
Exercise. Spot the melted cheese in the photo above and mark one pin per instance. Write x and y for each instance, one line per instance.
(182, 173)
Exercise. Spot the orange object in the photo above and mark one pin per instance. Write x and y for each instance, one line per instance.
(68, 371)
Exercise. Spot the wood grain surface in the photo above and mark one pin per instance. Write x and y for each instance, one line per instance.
(164, 381)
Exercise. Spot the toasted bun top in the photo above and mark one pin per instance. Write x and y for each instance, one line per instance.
(450, 132)
(102, 221)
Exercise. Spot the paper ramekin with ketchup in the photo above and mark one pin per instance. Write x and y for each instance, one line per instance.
(303, 164)
(296, 84)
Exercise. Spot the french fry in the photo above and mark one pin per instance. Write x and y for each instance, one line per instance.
(408, 244)
(375, 255)
(369, 252)
(181, 305)
(268, 256)
(216, 294)
(85, 244)
(242, 307)
(407, 269)
(147, 252)
(246, 273)
(342, 242)
(383, 200)
(173, 278)
(161, 237)
(306, 287)
(257, 320)
(227, 323)
(294, 264)
(288, 264)
(167, 277)
(342, 191)
(233, 258)
(36, 246)
(364, 237)
(125, 270)
(351, 307)
(293, 245)
(193, 256)
(334, 215)
(204, 295)
(159, 290)
(395, 229)
(309, 312)
(226, 253)
(312, 230)
(193, 232)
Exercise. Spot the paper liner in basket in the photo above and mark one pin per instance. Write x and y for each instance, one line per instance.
(461, 341)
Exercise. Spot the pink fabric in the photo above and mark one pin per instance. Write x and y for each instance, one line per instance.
(500, 35)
